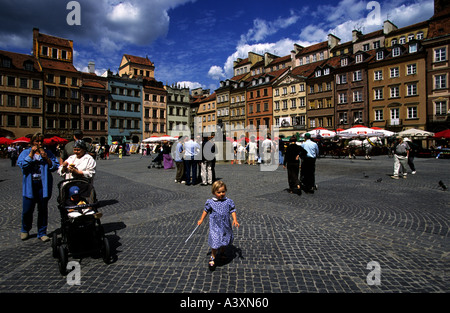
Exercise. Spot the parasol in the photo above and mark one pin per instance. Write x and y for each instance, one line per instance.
(21, 140)
(5, 141)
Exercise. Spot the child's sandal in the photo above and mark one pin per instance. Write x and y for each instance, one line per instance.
(211, 262)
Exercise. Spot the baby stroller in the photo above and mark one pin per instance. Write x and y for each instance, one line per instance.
(157, 162)
(81, 231)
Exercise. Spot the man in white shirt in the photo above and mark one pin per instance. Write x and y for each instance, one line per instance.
(308, 167)
(191, 150)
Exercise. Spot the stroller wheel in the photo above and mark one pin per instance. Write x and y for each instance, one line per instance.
(55, 245)
(105, 251)
(62, 260)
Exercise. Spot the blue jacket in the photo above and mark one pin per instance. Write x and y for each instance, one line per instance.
(26, 164)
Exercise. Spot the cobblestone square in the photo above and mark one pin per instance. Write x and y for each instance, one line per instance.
(313, 243)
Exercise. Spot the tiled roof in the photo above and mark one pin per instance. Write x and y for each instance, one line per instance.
(317, 47)
(52, 40)
(138, 60)
(57, 65)
(18, 59)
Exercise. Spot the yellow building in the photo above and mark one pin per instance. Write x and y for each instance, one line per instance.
(206, 115)
(21, 89)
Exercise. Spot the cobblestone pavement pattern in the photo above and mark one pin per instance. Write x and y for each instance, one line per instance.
(319, 242)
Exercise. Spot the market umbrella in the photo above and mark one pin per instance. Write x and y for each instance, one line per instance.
(322, 132)
(360, 130)
(386, 133)
(49, 141)
(21, 140)
(443, 134)
(5, 141)
(57, 140)
(413, 132)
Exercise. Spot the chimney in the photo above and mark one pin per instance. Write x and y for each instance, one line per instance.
(356, 34)
(35, 42)
(388, 27)
(91, 67)
(333, 41)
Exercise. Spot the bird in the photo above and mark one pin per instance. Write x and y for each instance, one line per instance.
(379, 180)
(443, 186)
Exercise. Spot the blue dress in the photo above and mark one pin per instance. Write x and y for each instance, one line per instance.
(220, 232)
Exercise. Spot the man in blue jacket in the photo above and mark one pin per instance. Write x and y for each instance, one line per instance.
(37, 165)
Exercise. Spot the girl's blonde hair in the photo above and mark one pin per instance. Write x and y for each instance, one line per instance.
(217, 185)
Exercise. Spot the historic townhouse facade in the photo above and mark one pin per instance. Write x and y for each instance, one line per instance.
(437, 45)
(62, 82)
(135, 66)
(206, 115)
(94, 106)
(237, 102)
(154, 108)
(178, 110)
(397, 87)
(289, 102)
(124, 108)
(351, 95)
(21, 100)
(320, 94)
(260, 99)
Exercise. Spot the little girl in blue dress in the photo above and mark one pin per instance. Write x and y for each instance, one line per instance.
(220, 207)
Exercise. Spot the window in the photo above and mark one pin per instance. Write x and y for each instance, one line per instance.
(412, 112)
(394, 72)
(343, 118)
(326, 71)
(378, 75)
(419, 36)
(342, 79)
(357, 96)
(318, 73)
(395, 92)
(411, 89)
(440, 81)
(357, 75)
(396, 52)
(413, 48)
(293, 104)
(378, 94)
(366, 47)
(376, 44)
(277, 105)
(342, 98)
(402, 40)
(393, 41)
(293, 89)
(344, 62)
(411, 69)
(378, 115)
(380, 55)
(440, 107)
(410, 37)
(359, 58)
(440, 54)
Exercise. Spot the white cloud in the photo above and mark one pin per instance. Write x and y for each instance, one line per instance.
(216, 72)
(190, 85)
(262, 29)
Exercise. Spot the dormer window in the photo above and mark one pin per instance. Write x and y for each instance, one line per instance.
(380, 55)
(344, 62)
(419, 36)
(402, 40)
(267, 79)
(413, 48)
(394, 41)
(318, 73)
(28, 66)
(326, 71)
(359, 58)
(6, 63)
(396, 52)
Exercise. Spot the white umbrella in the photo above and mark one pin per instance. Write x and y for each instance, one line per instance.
(412, 132)
(386, 133)
(324, 133)
(360, 131)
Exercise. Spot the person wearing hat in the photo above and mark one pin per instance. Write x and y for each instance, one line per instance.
(68, 148)
(308, 169)
(75, 199)
(80, 164)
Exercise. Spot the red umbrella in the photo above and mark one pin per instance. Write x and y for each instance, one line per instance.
(57, 140)
(443, 134)
(49, 141)
(21, 140)
(5, 141)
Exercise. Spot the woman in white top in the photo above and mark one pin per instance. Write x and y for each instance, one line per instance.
(80, 164)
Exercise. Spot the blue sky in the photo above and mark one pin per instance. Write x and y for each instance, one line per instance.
(194, 42)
